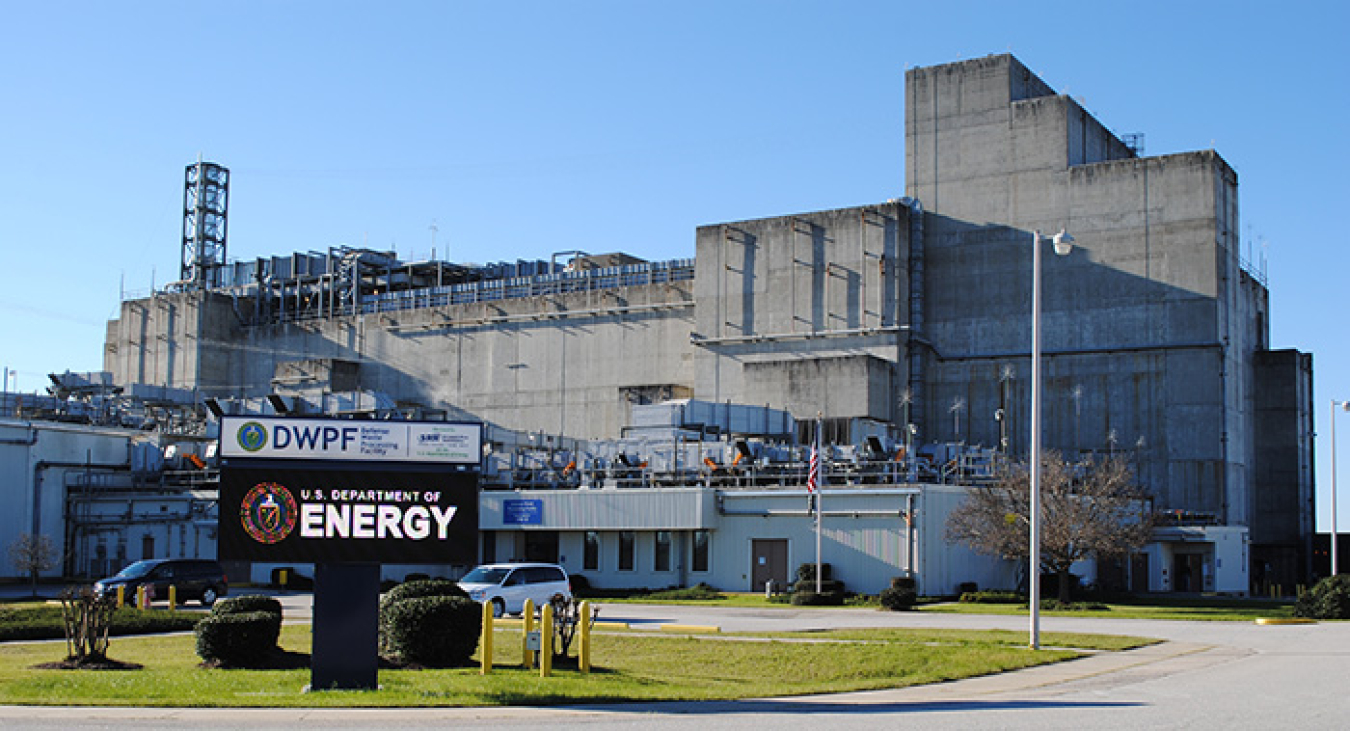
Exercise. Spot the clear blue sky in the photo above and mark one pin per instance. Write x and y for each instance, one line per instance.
(524, 128)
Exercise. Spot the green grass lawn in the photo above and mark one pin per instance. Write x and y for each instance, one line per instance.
(629, 666)
(1209, 609)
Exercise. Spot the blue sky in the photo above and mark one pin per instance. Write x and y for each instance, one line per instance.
(525, 128)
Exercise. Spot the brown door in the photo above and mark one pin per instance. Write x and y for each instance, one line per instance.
(1139, 573)
(769, 558)
(1187, 572)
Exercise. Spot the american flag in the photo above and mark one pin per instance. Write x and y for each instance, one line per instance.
(813, 472)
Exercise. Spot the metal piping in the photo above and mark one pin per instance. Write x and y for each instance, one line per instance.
(897, 513)
(916, 321)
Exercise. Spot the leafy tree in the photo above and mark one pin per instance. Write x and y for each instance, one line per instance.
(1092, 508)
(31, 555)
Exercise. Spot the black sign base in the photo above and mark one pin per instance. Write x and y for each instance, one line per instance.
(345, 653)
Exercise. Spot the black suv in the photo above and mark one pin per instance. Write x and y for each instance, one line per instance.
(198, 579)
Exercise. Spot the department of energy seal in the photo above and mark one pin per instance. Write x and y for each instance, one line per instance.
(268, 512)
(252, 436)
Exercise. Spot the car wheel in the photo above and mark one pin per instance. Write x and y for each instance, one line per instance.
(209, 596)
(498, 608)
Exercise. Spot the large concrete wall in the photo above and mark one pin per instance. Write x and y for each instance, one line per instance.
(1147, 330)
(806, 312)
(561, 364)
(179, 340)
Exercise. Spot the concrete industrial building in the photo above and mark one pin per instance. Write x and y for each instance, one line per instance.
(905, 322)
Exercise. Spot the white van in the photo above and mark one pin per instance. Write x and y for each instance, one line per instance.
(508, 585)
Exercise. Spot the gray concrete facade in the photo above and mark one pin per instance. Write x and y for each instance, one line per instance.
(914, 310)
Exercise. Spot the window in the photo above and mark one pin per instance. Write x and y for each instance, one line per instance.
(627, 549)
(662, 555)
(544, 575)
(591, 552)
(701, 542)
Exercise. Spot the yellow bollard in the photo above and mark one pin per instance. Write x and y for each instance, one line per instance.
(486, 646)
(546, 641)
(282, 577)
(584, 646)
(527, 626)
(173, 596)
(121, 595)
(140, 597)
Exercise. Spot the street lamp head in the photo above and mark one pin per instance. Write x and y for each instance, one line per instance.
(1063, 242)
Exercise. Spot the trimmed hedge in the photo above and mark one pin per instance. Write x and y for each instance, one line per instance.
(239, 639)
(247, 603)
(432, 631)
(44, 622)
(804, 592)
(698, 592)
(807, 572)
(1055, 605)
(809, 598)
(422, 588)
(993, 597)
(439, 627)
(902, 594)
(240, 632)
(1328, 599)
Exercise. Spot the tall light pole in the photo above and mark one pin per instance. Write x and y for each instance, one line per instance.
(1345, 406)
(1063, 245)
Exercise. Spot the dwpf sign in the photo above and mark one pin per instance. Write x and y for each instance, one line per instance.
(338, 491)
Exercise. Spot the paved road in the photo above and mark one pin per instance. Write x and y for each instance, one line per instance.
(1209, 675)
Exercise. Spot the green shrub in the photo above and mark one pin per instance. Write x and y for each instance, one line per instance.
(1055, 605)
(902, 594)
(43, 622)
(239, 639)
(1328, 599)
(812, 599)
(993, 597)
(698, 592)
(432, 631)
(422, 588)
(807, 572)
(861, 600)
(247, 603)
(804, 591)
(826, 587)
(407, 636)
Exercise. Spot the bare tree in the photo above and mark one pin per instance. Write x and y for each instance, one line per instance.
(88, 618)
(31, 555)
(1092, 508)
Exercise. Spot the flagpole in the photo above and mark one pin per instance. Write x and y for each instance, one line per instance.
(818, 521)
(819, 512)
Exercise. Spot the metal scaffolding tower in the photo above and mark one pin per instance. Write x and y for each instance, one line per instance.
(206, 193)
